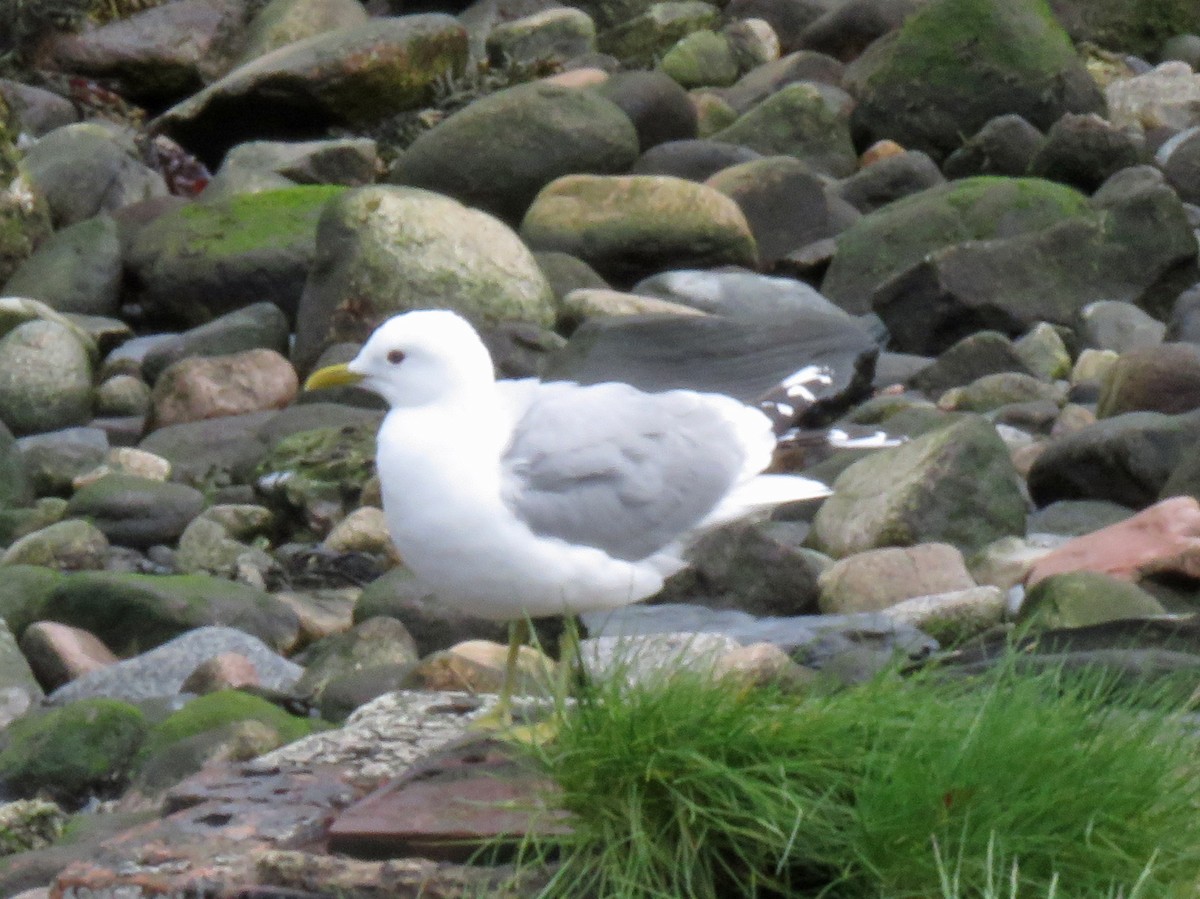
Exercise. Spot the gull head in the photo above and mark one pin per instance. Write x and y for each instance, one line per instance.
(416, 359)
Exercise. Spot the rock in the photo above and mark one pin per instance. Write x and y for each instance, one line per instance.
(131, 612)
(45, 378)
(874, 580)
(1084, 151)
(631, 226)
(659, 108)
(954, 485)
(69, 545)
(283, 22)
(122, 396)
(203, 387)
(1125, 459)
(1160, 540)
(551, 35)
(162, 671)
(37, 111)
(416, 250)
(19, 689)
(953, 617)
(753, 41)
(700, 59)
(892, 240)
(30, 824)
(991, 392)
(1184, 322)
(787, 19)
(53, 460)
(24, 590)
(205, 547)
(399, 595)
(354, 75)
(786, 205)
(226, 671)
(1005, 145)
(916, 93)
(1179, 159)
(363, 530)
(73, 752)
(769, 78)
(136, 511)
(535, 133)
(1117, 326)
(975, 356)
(204, 260)
(1164, 378)
(888, 180)
(256, 166)
(371, 643)
(78, 269)
(257, 326)
(1092, 369)
(86, 169)
(1075, 517)
(157, 54)
(695, 160)
(1083, 598)
(1164, 97)
(1126, 27)
(1182, 48)
(639, 40)
(796, 121)
(580, 305)
(763, 665)
(848, 28)
(58, 653)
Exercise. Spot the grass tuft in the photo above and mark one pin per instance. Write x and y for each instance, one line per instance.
(1002, 786)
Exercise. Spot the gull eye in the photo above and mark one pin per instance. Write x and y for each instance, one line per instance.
(395, 357)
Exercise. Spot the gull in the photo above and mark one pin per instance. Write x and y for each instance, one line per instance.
(518, 499)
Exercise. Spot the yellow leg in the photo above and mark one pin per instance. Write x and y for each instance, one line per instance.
(518, 633)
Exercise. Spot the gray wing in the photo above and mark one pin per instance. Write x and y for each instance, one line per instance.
(612, 467)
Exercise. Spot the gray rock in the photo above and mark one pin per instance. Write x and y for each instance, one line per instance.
(979, 354)
(88, 168)
(1118, 326)
(391, 249)
(38, 111)
(283, 22)
(695, 160)
(369, 644)
(267, 165)
(53, 460)
(534, 133)
(1181, 164)
(1005, 145)
(1184, 323)
(45, 378)
(848, 28)
(19, 689)
(639, 40)
(123, 395)
(1083, 598)
(566, 273)
(874, 580)
(1076, 517)
(134, 511)
(788, 19)
(16, 481)
(889, 179)
(70, 545)
(659, 108)
(954, 485)
(1011, 388)
(1164, 378)
(553, 35)
(78, 269)
(1085, 151)
(759, 83)
(162, 671)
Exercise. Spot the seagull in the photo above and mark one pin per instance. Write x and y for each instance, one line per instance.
(518, 499)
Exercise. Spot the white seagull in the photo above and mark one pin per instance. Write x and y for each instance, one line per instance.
(517, 499)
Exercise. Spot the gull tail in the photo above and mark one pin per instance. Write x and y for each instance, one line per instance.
(763, 492)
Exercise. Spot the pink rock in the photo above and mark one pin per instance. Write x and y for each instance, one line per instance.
(225, 671)
(1163, 538)
(59, 653)
(578, 78)
(203, 387)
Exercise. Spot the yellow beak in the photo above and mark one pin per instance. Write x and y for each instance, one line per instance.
(331, 376)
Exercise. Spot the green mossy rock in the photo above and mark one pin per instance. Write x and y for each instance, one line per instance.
(205, 259)
(24, 591)
(1083, 598)
(639, 41)
(135, 612)
(135, 511)
(702, 59)
(892, 239)
(1128, 26)
(71, 753)
(954, 485)
(45, 378)
(958, 63)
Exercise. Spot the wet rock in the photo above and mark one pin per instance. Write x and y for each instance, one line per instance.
(872, 581)
(695, 160)
(70, 545)
(131, 612)
(77, 269)
(796, 121)
(630, 226)
(415, 250)
(1125, 459)
(45, 378)
(197, 388)
(72, 752)
(204, 260)
(535, 133)
(639, 40)
(553, 35)
(86, 169)
(136, 511)
(1082, 598)
(1005, 145)
(163, 670)
(59, 653)
(955, 485)
(659, 108)
(353, 75)
(155, 55)
(915, 93)
(787, 206)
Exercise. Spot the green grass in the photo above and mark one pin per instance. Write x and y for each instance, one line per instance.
(1000, 787)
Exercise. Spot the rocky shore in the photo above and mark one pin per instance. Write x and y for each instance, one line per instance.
(979, 216)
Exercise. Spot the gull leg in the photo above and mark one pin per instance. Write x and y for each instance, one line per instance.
(518, 633)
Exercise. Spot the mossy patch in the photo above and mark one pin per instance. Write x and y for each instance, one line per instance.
(248, 222)
(74, 752)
